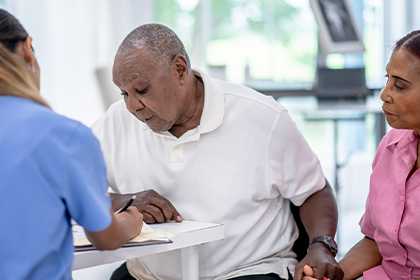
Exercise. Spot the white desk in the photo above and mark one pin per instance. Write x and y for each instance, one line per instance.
(188, 235)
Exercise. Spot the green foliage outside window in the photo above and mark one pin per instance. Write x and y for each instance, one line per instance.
(275, 40)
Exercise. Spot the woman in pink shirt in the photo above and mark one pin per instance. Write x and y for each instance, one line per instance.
(391, 223)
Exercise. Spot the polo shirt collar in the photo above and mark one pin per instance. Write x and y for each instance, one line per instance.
(214, 104)
(213, 110)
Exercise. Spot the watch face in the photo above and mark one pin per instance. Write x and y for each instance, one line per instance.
(332, 242)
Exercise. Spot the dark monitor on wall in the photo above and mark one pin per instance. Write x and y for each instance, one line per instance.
(347, 83)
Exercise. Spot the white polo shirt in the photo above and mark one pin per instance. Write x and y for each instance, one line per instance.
(239, 167)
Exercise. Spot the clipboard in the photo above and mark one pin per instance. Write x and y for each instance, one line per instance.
(147, 236)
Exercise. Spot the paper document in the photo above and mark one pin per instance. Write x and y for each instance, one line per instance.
(147, 235)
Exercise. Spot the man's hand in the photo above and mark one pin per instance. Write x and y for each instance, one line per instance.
(319, 263)
(154, 207)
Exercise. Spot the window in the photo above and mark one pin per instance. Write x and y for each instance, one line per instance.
(247, 39)
(264, 40)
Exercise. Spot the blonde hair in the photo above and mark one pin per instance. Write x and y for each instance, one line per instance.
(15, 76)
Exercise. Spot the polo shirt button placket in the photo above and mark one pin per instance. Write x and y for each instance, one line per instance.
(176, 154)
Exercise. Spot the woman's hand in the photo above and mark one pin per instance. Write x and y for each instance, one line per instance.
(123, 227)
(309, 273)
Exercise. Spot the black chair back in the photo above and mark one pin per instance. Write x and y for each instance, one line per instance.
(301, 244)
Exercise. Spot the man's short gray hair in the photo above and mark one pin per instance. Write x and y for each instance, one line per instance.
(160, 43)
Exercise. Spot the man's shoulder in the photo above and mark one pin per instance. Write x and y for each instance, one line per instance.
(117, 122)
(245, 93)
(116, 107)
(117, 112)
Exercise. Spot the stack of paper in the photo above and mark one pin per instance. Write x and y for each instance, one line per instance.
(147, 236)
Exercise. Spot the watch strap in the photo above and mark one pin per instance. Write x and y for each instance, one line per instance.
(328, 242)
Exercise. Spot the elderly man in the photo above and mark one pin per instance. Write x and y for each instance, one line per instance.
(202, 149)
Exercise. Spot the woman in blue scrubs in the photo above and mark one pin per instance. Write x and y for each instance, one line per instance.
(51, 170)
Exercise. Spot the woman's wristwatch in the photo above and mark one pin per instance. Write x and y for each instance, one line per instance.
(328, 242)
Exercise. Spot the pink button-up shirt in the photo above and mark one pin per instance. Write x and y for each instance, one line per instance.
(392, 216)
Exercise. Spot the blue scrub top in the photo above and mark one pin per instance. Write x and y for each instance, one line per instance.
(51, 170)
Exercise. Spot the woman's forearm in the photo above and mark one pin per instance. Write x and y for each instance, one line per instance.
(363, 256)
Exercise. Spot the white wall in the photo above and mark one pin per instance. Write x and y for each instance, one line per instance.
(72, 38)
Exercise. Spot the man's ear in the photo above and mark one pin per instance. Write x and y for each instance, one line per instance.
(181, 67)
(24, 50)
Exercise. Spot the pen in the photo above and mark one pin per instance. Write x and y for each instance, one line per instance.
(127, 204)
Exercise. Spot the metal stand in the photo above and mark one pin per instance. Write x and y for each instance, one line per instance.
(336, 117)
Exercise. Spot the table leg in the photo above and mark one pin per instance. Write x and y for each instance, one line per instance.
(190, 263)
